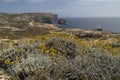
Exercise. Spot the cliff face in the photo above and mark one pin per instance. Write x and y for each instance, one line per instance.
(7, 18)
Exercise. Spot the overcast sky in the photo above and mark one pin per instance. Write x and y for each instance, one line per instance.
(64, 8)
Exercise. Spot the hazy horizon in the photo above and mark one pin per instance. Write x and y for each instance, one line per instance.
(64, 8)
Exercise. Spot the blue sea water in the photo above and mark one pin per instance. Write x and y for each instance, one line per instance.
(107, 23)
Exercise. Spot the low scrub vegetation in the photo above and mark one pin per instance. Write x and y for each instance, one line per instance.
(60, 56)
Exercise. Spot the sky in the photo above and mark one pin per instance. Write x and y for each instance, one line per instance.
(64, 8)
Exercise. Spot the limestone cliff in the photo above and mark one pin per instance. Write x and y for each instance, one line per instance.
(12, 19)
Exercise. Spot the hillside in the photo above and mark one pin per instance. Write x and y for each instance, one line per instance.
(33, 48)
(26, 24)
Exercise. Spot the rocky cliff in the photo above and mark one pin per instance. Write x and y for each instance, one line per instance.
(11, 19)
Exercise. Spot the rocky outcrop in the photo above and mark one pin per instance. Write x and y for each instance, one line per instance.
(4, 76)
(62, 21)
(85, 33)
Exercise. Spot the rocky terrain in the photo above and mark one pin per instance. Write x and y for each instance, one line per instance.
(14, 26)
(32, 47)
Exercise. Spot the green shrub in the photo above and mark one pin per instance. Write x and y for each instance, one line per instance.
(35, 65)
(63, 46)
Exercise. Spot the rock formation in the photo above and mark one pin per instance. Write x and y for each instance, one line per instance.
(61, 21)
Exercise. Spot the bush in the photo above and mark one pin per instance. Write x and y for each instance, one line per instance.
(30, 61)
(35, 65)
(63, 46)
(91, 66)
(16, 53)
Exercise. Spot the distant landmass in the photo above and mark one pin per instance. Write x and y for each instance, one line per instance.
(10, 19)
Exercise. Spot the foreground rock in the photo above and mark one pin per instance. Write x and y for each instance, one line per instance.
(4, 76)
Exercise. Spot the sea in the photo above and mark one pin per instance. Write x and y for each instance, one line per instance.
(111, 24)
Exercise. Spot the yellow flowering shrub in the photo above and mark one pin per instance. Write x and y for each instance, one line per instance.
(59, 49)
